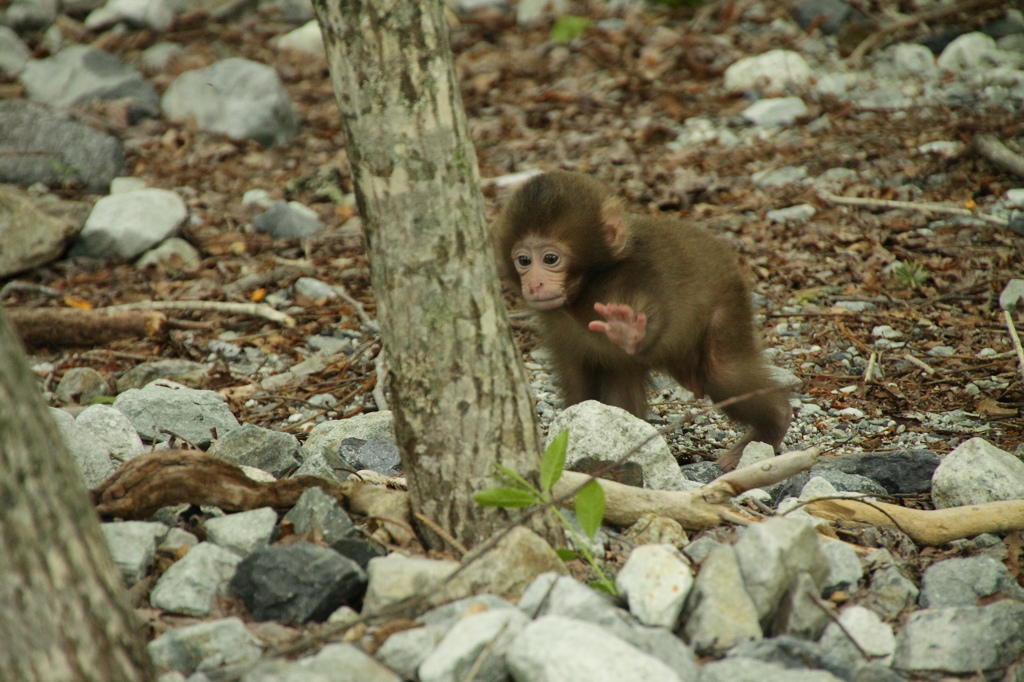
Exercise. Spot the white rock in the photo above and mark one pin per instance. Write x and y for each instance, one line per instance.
(306, 39)
(776, 111)
(128, 224)
(775, 69)
(655, 580)
(971, 51)
(977, 472)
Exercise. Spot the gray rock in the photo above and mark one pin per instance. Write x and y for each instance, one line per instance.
(156, 58)
(845, 570)
(555, 648)
(310, 287)
(462, 645)
(773, 69)
(395, 577)
(289, 220)
(204, 646)
(325, 438)
(92, 459)
(191, 583)
(791, 653)
(317, 511)
(31, 235)
(128, 224)
(602, 432)
(775, 111)
(971, 51)
(172, 254)
(132, 545)
(80, 385)
(551, 594)
(80, 74)
(185, 372)
(277, 671)
(111, 430)
(154, 14)
(377, 454)
(792, 214)
(889, 590)
(37, 145)
(963, 640)
(827, 15)
(798, 613)
(511, 566)
(184, 412)
(14, 54)
(404, 651)
(244, 532)
(912, 59)
(306, 39)
(874, 637)
(655, 580)
(237, 97)
(1012, 295)
(297, 583)
(30, 15)
(964, 581)
(749, 670)
(272, 451)
(350, 661)
(699, 549)
(719, 613)
(771, 556)
(977, 472)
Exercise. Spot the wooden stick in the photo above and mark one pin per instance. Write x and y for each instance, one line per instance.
(254, 309)
(75, 327)
(1016, 342)
(926, 206)
(998, 153)
(925, 527)
(914, 361)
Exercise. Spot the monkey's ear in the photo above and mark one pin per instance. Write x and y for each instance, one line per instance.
(614, 226)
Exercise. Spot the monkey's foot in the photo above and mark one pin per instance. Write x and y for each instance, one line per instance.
(623, 327)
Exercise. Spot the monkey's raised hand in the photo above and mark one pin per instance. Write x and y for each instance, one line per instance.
(622, 326)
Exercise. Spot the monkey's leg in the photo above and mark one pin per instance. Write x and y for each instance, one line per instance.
(767, 415)
(577, 381)
(625, 388)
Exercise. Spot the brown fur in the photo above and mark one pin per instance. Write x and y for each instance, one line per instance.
(684, 279)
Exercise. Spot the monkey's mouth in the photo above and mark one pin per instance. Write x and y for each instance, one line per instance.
(547, 303)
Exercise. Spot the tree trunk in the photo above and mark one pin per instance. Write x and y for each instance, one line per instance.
(64, 613)
(460, 398)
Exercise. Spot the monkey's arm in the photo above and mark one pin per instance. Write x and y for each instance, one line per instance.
(622, 325)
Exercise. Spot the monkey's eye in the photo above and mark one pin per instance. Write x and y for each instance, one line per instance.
(524, 261)
(550, 258)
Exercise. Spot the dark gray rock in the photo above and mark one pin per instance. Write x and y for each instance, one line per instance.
(272, 451)
(298, 583)
(37, 145)
(377, 454)
(828, 15)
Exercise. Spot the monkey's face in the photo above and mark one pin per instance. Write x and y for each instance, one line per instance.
(542, 265)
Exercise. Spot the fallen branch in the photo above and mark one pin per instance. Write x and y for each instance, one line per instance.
(254, 309)
(705, 507)
(923, 206)
(998, 153)
(76, 327)
(1015, 338)
(148, 482)
(925, 527)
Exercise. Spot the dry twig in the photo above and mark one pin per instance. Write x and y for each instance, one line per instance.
(924, 206)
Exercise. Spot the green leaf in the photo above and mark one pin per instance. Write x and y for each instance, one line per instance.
(512, 478)
(607, 588)
(553, 461)
(505, 497)
(567, 28)
(590, 508)
(567, 554)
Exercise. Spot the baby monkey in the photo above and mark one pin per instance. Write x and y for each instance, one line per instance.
(619, 296)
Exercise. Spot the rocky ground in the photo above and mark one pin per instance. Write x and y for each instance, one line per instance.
(881, 241)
